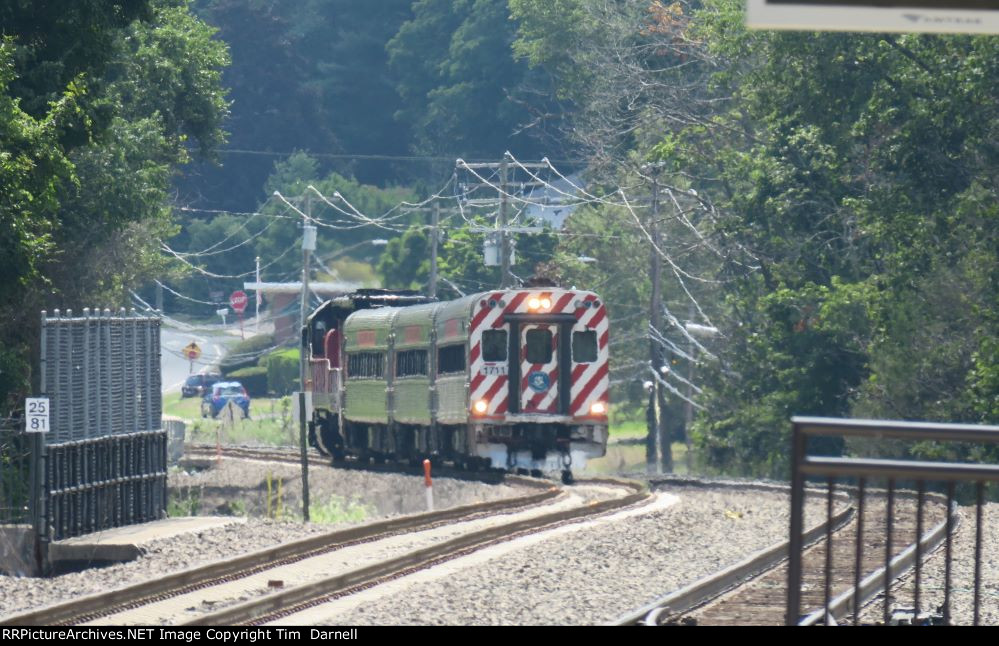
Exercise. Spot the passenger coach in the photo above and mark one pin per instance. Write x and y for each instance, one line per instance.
(513, 379)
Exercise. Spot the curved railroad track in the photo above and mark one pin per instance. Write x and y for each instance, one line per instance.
(754, 591)
(149, 602)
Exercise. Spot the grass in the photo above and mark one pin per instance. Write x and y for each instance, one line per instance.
(270, 422)
(336, 510)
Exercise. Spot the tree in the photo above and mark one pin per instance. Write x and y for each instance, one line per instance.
(86, 177)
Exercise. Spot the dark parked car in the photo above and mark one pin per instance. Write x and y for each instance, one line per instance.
(199, 384)
(222, 393)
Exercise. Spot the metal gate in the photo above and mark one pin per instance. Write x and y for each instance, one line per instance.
(923, 477)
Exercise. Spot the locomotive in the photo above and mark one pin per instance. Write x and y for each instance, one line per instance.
(512, 379)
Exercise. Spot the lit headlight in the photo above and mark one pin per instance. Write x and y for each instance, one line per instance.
(546, 303)
(534, 303)
(598, 408)
(480, 406)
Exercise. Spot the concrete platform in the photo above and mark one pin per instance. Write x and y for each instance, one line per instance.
(127, 543)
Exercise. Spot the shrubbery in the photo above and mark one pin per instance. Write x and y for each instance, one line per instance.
(254, 379)
(282, 371)
(245, 354)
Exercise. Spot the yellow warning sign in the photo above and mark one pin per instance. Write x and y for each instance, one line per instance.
(192, 351)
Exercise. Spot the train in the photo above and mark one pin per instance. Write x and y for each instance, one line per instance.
(395, 375)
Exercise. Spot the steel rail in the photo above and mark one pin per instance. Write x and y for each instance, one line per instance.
(107, 603)
(317, 592)
(769, 559)
(873, 584)
(714, 585)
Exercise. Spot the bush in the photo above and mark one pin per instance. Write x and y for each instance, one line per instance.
(246, 353)
(254, 379)
(282, 371)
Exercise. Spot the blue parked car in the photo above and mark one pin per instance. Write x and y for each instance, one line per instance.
(221, 394)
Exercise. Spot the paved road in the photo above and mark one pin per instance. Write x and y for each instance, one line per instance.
(176, 367)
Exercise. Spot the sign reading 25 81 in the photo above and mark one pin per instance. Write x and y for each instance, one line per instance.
(36, 417)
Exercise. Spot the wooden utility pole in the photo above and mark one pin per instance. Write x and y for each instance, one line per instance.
(308, 246)
(503, 213)
(658, 438)
(434, 237)
(503, 220)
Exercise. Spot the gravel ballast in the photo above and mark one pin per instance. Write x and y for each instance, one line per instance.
(242, 484)
(595, 574)
(590, 574)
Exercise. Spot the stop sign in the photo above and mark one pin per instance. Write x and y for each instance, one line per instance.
(238, 301)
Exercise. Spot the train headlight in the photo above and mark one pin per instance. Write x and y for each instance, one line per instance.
(598, 408)
(481, 406)
(534, 303)
(546, 303)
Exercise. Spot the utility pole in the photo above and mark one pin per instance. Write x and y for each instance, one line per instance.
(658, 440)
(308, 246)
(503, 213)
(503, 219)
(434, 235)
(256, 326)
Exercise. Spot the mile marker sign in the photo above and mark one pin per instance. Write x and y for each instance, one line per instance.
(238, 301)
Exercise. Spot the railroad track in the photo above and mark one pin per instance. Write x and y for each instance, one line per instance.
(754, 591)
(206, 453)
(141, 603)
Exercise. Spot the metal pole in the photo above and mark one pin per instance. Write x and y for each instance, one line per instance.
(256, 326)
(504, 238)
(308, 244)
(436, 217)
(688, 414)
(797, 524)
(657, 423)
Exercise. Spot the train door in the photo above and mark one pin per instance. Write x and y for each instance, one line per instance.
(539, 368)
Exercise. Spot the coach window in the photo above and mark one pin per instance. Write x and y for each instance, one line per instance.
(584, 346)
(494, 345)
(539, 346)
(451, 359)
(365, 365)
(411, 363)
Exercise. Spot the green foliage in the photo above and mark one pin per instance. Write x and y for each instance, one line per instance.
(405, 264)
(853, 167)
(338, 511)
(451, 60)
(96, 112)
(282, 371)
(184, 502)
(254, 379)
(246, 353)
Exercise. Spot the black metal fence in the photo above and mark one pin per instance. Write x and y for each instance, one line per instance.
(105, 482)
(15, 468)
(103, 463)
(923, 477)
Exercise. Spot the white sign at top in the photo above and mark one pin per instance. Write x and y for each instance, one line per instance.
(930, 16)
(36, 415)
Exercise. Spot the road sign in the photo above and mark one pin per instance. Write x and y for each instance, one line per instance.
(36, 418)
(238, 301)
(192, 351)
(933, 16)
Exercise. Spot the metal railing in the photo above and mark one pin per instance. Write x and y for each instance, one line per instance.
(861, 471)
(321, 379)
(15, 471)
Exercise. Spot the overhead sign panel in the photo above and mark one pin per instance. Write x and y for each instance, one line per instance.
(929, 16)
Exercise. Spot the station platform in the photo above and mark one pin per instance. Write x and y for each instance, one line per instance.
(127, 543)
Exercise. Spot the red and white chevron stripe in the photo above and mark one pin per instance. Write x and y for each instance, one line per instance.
(489, 381)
